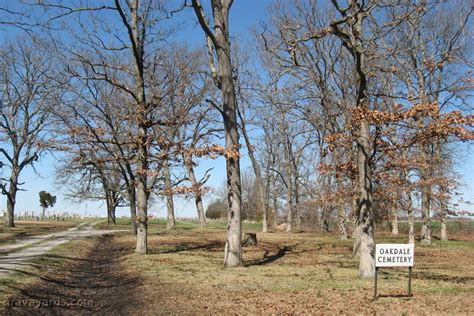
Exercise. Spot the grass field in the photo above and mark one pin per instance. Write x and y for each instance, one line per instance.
(158, 224)
(296, 273)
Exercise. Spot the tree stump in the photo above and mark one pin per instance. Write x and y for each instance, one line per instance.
(250, 239)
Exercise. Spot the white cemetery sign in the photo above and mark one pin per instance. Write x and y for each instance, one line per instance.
(394, 255)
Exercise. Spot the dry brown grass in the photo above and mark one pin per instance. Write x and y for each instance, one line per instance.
(285, 274)
(298, 273)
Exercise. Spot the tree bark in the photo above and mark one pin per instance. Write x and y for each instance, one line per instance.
(296, 197)
(342, 223)
(188, 163)
(142, 195)
(324, 221)
(425, 214)
(443, 214)
(233, 249)
(289, 183)
(325, 208)
(220, 40)
(275, 213)
(111, 206)
(365, 220)
(341, 213)
(133, 207)
(11, 197)
(171, 223)
(425, 173)
(289, 204)
(394, 219)
(411, 224)
(258, 176)
(272, 212)
(137, 50)
(444, 232)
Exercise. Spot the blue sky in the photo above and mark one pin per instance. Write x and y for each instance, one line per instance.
(244, 14)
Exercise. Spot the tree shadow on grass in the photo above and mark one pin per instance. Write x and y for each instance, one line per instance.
(424, 275)
(212, 246)
(267, 258)
(98, 284)
(395, 296)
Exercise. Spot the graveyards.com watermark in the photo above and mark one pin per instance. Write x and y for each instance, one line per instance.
(48, 303)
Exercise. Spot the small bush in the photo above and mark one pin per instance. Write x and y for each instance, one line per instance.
(217, 209)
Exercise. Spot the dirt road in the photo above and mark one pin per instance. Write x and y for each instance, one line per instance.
(88, 278)
(17, 256)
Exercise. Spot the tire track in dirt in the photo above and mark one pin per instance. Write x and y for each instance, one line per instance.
(92, 283)
(14, 260)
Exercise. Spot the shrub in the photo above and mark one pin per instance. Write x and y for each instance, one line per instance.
(217, 209)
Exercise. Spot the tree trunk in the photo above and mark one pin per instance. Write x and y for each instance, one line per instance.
(325, 208)
(444, 212)
(444, 232)
(425, 173)
(394, 220)
(142, 194)
(108, 211)
(289, 203)
(133, 207)
(265, 219)
(43, 212)
(188, 163)
(10, 212)
(297, 217)
(224, 80)
(365, 221)
(342, 223)
(296, 196)
(341, 214)
(200, 209)
(111, 205)
(443, 200)
(425, 215)
(142, 218)
(324, 221)
(411, 224)
(11, 198)
(289, 185)
(258, 176)
(271, 212)
(114, 218)
(137, 51)
(275, 213)
(233, 248)
(171, 223)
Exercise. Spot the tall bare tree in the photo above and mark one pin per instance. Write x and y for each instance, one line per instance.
(27, 91)
(218, 42)
(116, 47)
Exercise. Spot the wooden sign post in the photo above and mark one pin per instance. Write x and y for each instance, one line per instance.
(394, 255)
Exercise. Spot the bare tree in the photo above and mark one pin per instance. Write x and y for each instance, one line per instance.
(116, 47)
(27, 92)
(433, 51)
(218, 42)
